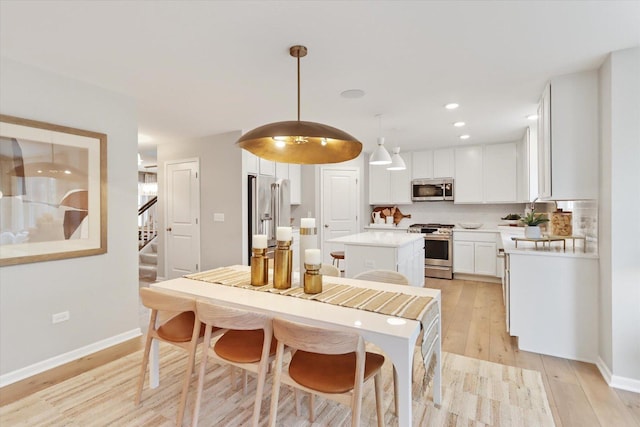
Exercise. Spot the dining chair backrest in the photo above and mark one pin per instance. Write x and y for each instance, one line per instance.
(386, 276)
(230, 318)
(166, 301)
(329, 270)
(316, 340)
(238, 345)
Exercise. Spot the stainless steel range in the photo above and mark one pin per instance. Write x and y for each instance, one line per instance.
(438, 249)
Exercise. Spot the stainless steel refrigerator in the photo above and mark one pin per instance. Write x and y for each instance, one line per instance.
(269, 207)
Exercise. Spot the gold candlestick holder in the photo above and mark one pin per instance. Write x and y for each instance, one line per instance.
(282, 265)
(259, 267)
(312, 279)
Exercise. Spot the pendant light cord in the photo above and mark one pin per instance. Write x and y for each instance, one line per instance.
(298, 57)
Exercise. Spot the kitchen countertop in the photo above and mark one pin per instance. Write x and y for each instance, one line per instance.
(386, 227)
(379, 238)
(528, 248)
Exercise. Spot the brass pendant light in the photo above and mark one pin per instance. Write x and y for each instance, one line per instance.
(298, 141)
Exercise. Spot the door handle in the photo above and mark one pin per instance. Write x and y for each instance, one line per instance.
(326, 226)
(168, 228)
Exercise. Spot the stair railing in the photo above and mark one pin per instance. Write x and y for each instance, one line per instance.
(147, 224)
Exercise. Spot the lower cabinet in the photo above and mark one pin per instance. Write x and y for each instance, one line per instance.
(475, 253)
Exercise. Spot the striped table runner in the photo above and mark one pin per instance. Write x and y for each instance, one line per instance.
(385, 302)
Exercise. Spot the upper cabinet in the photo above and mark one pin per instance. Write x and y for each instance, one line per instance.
(255, 165)
(433, 163)
(500, 173)
(292, 172)
(443, 163)
(390, 187)
(568, 138)
(468, 179)
(486, 173)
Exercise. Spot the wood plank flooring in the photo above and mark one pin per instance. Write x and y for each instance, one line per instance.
(473, 325)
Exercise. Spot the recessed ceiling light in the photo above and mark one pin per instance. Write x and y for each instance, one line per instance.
(532, 117)
(352, 93)
(451, 106)
(459, 124)
(464, 137)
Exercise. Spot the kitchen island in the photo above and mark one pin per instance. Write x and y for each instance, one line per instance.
(384, 250)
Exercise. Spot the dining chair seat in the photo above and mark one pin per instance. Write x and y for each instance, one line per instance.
(310, 370)
(179, 328)
(243, 346)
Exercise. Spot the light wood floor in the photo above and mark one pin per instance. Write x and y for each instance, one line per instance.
(473, 324)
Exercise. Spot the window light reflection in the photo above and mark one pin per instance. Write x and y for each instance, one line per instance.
(396, 321)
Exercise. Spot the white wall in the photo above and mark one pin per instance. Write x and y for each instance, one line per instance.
(619, 209)
(100, 292)
(222, 190)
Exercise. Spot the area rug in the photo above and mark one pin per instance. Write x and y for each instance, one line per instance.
(475, 393)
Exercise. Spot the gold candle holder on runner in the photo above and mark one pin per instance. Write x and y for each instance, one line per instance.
(312, 279)
(259, 267)
(282, 265)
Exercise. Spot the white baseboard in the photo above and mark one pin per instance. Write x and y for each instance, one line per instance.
(616, 381)
(45, 365)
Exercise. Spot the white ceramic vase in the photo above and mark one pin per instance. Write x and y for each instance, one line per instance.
(532, 232)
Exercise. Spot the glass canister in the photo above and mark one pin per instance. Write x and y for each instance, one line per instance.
(561, 223)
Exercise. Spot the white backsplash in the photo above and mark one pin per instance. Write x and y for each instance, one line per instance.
(451, 213)
(584, 220)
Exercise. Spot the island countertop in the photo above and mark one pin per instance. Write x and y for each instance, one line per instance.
(379, 238)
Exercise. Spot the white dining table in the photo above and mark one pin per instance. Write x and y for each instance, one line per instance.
(395, 336)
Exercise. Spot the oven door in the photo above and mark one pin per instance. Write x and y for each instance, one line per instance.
(438, 250)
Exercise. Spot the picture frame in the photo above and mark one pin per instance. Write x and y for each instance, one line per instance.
(53, 192)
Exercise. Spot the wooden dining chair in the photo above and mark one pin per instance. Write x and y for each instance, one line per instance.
(246, 342)
(182, 329)
(329, 363)
(329, 270)
(386, 276)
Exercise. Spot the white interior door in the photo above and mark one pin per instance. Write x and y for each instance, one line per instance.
(183, 211)
(340, 201)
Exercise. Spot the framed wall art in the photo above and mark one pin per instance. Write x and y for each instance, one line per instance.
(53, 196)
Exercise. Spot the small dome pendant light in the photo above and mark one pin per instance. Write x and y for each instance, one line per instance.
(298, 141)
(397, 162)
(380, 156)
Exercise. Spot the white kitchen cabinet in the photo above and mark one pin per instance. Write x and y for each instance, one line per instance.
(463, 257)
(250, 162)
(553, 304)
(433, 163)
(267, 167)
(390, 187)
(468, 179)
(295, 185)
(443, 163)
(526, 176)
(568, 138)
(292, 172)
(499, 167)
(486, 173)
(475, 253)
(422, 164)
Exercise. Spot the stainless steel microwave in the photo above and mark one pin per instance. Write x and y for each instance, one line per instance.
(428, 190)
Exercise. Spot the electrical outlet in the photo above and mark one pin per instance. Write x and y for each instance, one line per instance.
(370, 263)
(60, 317)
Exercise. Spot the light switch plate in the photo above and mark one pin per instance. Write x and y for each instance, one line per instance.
(218, 217)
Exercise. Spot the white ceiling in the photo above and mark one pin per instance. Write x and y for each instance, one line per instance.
(198, 68)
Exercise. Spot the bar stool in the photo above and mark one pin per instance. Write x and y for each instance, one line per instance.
(336, 257)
